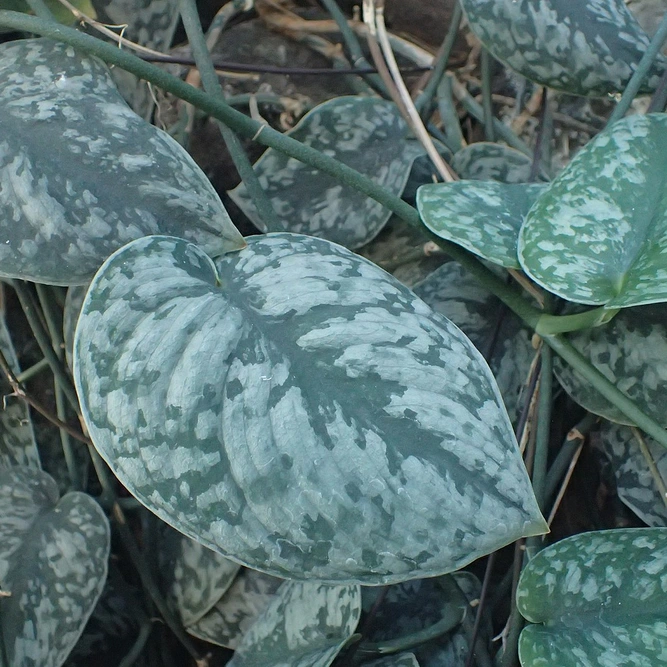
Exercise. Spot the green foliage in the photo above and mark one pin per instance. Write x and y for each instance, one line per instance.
(298, 421)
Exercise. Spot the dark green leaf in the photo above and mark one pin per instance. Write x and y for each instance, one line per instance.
(53, 564)
(631, 352)
(584, 48)
(598, 235)
(298, 410)
(81, 174)
(305, 625)
(481, 216)
(365, 133)
(635, 484)
(485, 161)
(596, 599)
(228, 621)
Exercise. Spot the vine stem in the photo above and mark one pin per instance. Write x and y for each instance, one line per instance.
(267, 136)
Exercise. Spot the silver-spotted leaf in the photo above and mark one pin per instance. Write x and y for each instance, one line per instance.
(481, 216)
(228, 621)
(151, 23)
(305, 625)
(635, 484)
(598, 235)
(365, 133)
(81, 174)
(17, 439)
(299, 410)
(194, 577)
(53, 564)
(486, 161)
(596, 599)
(631, 352)
(398, 660)
(583, 48)
(498, 334)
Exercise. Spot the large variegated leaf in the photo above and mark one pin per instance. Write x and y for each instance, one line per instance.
(194, 577)
(481, 216)
(305, 625)
(631, 351)
(81, 174)
(365, 133)
(151, 23)
(17, 439)
(298, 410)
(596, 599)
(495, 332)
(636, 486)
(228, 621)
(486, 161)
(53, 564)
(598, 235)
(583, 48)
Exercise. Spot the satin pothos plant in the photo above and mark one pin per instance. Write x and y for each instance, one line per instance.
(309, 425)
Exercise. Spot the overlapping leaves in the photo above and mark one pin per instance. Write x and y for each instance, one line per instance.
(365, 133)
(298, 410)
(109, 176)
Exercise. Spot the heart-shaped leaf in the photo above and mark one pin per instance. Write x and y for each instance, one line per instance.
(481, 216)
(598, 235)
(636, 486)
(365, 133)
(596, 599)
(486, 161)
(585, 48)
(305, 625)
(53, 564)
(194, 576)
(631, 352)
(298, 410)
(81, 174)
(228, 621)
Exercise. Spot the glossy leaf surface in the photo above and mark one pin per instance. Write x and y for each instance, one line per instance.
(305, 625)
(365, 133)
(53, 564)
(228, 621)
(298, 410)
(631, 351)
(481, 216)
(598, 235)
(81, 174)
(499, 335)
(636, 486)
(585, 48)
(596, 599)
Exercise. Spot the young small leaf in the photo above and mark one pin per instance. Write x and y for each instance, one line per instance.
(598, 235)
(305, 625)
(582, 48)
(81, 174)
(485, 161)
(298, 410)
(53, 564)
(596, 599)
(365, 133)
(481, 216)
